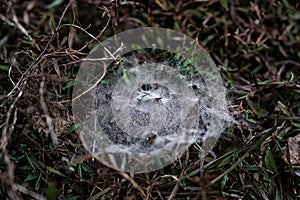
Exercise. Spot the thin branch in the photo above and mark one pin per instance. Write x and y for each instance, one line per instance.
(46, 112)
(133, 183)
(82, 29)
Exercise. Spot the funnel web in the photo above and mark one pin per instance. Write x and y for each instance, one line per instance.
(152, 103)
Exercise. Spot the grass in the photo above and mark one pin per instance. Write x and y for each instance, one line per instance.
(256, 46)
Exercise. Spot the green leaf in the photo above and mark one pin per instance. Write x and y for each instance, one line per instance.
(51, 191)
(261, 112)
(285, 111)
(73, 127)
(193, 12)
(3, 42)
(198, 147)
(4, 68)
(69, 84)
(224, 3)
(37, 184)
(263, 82)
(79, 171)
(270, 162)
(247, 117)
(31, 177)
(145, 40)
(295, 16)
(31, 160)
(297, 125)
(278, 194)
(160, 42)
(227, 160)
(54, 4)
(138, 21)
(55, 171)
(223, 182)
(86, 168)
(251, 167)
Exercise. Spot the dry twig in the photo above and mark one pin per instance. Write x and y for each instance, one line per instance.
(46, 112)
(132, 181)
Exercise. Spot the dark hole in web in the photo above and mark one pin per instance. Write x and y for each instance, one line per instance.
(194, 87)
(146, 87)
